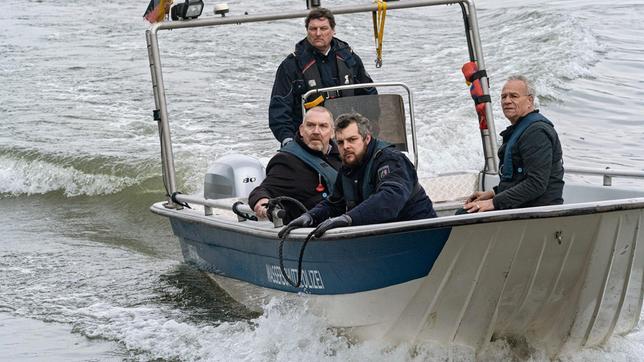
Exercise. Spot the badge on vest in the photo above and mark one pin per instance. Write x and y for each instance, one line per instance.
(382, 172)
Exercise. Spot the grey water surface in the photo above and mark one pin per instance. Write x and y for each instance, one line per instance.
(87, 273)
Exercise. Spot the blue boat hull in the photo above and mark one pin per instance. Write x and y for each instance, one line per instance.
(330, 266)
(565, 276)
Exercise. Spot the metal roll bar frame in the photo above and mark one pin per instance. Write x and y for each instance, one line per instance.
(161, 111)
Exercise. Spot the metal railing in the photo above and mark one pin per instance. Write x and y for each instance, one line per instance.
(410, 104)
(607, 174)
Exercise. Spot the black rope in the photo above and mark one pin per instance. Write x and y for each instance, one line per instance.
(165, 184)
(241, 214)
(468, 29)
(173, 197)
(277, 201)
(156, 115)
(299, 262)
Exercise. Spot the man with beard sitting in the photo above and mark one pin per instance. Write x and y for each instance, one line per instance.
(376, 183)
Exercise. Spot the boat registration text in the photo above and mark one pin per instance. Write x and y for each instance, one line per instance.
(311, 279)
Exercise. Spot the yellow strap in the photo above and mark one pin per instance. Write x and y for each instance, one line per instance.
(379, 29)
(316, 102)
(163, 14)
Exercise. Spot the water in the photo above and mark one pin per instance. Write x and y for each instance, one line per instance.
(88, 273)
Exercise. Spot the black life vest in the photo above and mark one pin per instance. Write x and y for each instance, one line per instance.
(350, 191)
(313, 80)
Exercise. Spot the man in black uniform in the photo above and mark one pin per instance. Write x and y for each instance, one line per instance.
(376, 183)
(531, 161)
(305, 169)
(319, 61)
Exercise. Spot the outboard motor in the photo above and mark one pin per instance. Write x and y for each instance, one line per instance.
(233, 176)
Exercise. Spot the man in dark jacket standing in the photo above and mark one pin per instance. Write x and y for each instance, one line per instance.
(376, 183)
(305, 169)
(319, 61)
(531, 161)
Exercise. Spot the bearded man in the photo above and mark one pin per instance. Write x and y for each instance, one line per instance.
(376, 183)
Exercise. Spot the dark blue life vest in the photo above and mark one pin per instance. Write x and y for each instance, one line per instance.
(328, 173)
(349, 191)
(311, 74)
(507, 169)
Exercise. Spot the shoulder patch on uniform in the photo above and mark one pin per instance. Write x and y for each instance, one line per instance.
(382, 172)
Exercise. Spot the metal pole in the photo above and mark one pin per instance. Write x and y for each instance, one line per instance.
(155, 112)
(489, 141)
(489, 135)
(167, 158)
(209, 21)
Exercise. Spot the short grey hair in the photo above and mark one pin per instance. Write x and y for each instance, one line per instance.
(344, 120)
(532, 91)
(320, 109)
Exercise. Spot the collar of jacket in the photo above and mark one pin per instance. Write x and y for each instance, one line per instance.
(333, 150)
(367, 156)
(508, 131)
(304, 51)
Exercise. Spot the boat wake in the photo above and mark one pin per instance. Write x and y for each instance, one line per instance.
(286, 330)
(19, 176)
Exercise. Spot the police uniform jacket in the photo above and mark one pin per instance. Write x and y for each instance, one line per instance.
(285, 108)
(395, 194)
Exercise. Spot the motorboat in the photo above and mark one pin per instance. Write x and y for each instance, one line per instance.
(561, 277)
